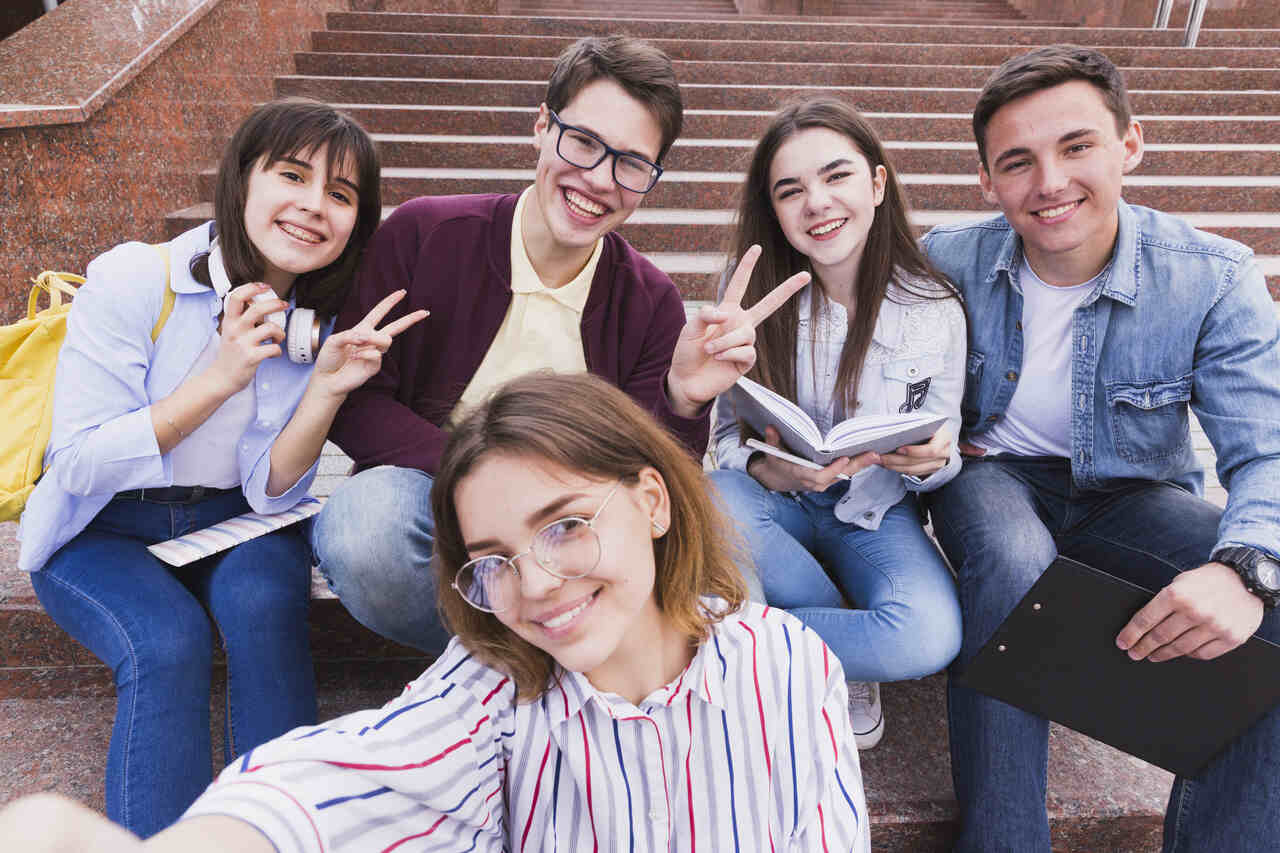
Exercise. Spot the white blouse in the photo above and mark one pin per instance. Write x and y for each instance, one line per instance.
(750, 749)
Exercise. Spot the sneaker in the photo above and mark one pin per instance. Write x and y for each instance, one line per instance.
(865, 713)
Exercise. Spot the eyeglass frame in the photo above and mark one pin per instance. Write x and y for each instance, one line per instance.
(510, 562)
(608, 149)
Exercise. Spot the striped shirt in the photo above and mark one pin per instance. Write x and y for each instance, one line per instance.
(750, 749)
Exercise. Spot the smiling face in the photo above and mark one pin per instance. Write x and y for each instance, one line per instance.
(576, 207)
(602, 625)
(825, 194)
(298, 216)
(1056, 163)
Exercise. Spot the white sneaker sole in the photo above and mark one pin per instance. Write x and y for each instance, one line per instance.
(867, 740)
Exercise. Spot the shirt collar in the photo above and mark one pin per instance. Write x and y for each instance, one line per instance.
(1119, 279)
(703, 678)
(524, 279)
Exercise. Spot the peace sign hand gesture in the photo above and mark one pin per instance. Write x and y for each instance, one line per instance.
(349, 358)
(718, 344)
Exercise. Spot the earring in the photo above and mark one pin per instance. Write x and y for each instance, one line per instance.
(658, 527)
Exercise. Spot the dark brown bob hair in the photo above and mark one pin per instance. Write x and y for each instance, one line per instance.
(270, 133)
(1044, 68)
(643, 71)
(583, 424)
(891, 249)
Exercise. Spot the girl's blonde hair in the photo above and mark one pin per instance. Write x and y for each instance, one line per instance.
(583, 424)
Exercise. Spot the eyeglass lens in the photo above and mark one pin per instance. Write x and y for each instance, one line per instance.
(586, 152)
(568, 549)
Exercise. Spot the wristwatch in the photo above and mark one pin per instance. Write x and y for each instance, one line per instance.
(1259, 571)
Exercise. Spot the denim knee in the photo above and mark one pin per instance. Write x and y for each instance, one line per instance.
(373, 520)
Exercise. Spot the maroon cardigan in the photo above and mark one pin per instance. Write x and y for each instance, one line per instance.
(453, 256)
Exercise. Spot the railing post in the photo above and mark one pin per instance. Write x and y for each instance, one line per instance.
(1163, 10)
(1194, 18)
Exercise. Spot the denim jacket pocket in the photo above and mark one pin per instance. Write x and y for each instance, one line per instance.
(907, 381)
(1149, 419)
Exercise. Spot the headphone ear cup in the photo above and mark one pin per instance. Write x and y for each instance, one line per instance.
(301, 337)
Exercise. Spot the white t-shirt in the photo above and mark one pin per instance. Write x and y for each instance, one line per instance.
(1038, 419)
(207, 457)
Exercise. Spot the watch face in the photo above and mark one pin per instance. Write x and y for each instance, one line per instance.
(1268, 571)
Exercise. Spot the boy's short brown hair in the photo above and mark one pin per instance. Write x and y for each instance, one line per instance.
(1044, 68)
(642, 70)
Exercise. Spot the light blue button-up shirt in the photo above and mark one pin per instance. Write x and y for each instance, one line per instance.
(109, 373)
(1180, 318)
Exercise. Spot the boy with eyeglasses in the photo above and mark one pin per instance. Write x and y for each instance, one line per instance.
(516, 283)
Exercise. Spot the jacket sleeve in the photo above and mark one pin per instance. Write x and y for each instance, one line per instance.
(1236, 396)
(726, 441)
(373, 426)
(945, 393)
(102, 440)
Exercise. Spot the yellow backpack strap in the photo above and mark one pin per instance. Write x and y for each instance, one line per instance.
(166, 307)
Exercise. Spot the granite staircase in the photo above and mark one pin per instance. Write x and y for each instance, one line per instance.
(451, 98)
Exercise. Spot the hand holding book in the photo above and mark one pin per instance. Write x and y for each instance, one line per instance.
(780, 471)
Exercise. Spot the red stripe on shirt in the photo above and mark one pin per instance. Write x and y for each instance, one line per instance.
(429, 830)
(537, 787)
(494, 691)
(479, 723)
(432, 760)
(586, 755)
(688, 775)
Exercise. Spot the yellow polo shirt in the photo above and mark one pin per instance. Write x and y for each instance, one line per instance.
(542, 329)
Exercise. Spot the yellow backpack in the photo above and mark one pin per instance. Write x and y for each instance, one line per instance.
(28, 359)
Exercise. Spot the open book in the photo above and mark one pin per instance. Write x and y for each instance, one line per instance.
(759, 408)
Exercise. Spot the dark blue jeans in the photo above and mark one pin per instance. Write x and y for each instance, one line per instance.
(1002, 521)
(147, 621)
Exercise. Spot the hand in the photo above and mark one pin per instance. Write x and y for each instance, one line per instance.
(718, 344)
(349, 358)
(52, 823)
(921, 460)
(1203, 613)
(247, 341)
(779, 475)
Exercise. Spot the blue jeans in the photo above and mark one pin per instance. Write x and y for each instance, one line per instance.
(907, 623)
(1002, 521)
(372, 543)
(146, 620)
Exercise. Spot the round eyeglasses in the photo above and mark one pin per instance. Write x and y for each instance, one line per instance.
(567, 548)
(584, 149)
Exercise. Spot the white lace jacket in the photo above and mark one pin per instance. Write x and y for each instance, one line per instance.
(915, 363)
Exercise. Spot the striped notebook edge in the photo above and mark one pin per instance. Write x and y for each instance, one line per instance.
(199, 544)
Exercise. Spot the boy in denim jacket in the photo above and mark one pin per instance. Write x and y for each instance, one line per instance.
(1094, 326)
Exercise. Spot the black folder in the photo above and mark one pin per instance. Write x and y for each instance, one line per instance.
(1055, 656)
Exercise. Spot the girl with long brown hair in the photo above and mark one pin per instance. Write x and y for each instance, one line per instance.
(877, 331)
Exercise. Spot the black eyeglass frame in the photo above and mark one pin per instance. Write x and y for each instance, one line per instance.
(608, 149)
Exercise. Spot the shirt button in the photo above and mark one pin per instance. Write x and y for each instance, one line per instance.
(266, 386)
(1018, 325)
(868, 515)
(1011, 375)
(912, 371)
(657, 816)
(992, 418)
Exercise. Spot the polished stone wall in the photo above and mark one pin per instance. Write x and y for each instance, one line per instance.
(71, 191)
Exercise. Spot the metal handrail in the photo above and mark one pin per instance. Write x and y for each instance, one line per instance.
(1195, 17)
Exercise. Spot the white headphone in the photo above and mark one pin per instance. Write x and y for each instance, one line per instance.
(303, 334)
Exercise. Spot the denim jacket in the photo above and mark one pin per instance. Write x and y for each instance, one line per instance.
(1180, 318)
(109, 372)
(914, 364)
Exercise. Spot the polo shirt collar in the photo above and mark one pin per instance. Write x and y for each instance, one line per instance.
(524, 278)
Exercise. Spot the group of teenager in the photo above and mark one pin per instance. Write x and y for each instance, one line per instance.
(645, 656)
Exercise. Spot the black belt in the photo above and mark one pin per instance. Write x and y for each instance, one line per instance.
(173, 494)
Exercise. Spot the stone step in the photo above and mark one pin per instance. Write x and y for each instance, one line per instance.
(749, 124)
(728, 73)
(1099, 799)
(781, 51)
(746, 28)
(626, 16)
(454, 91)
(690, 153)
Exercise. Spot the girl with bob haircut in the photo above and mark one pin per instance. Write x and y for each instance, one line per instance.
(176, 408)
(607, 686)
(878, 331)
